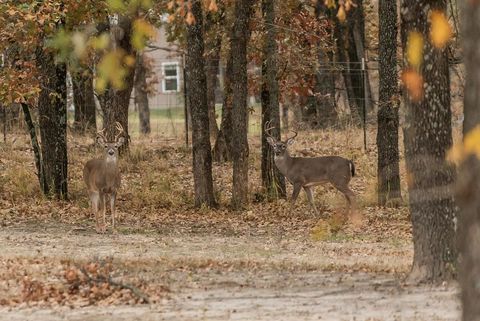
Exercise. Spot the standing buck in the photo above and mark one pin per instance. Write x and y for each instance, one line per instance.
(102, 177)
(308, 172)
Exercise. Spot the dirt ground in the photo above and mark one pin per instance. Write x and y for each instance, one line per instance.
(215, 276)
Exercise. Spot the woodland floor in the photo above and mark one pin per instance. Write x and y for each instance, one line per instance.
(269, 262)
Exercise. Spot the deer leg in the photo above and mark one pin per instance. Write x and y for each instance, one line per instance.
(349, 195)
(95, 203)
(308, 191)
(112, 208)
(104, 210)
(296, 191)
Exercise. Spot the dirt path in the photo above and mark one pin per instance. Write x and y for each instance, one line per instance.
(269, 277)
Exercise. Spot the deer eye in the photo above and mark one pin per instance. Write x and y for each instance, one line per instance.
(106, 146)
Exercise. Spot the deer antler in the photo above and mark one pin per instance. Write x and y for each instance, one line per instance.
(119, 127)
(293, 135)
(101, 134)
(267, 128)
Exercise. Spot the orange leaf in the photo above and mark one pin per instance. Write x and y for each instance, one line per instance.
(415, 49)
(341, 14)
(213, 6)
(413, 81)
(190, 18)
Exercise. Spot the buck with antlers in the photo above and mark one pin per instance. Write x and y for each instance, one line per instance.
(102, 177)
(307, 172)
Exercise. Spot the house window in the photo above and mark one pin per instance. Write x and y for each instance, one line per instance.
(171, 77)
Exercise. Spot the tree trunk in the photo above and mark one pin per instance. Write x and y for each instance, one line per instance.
(36, 148)
(197, 84)
(84, 100)
(468, 187)
(52, 111)
(115, 102)
(223, 145)
(427, 137)
(388, 172)
(341, 37)
(272, 180)
(238, 45)
(141, 94)
(325, 79)
(213, 46)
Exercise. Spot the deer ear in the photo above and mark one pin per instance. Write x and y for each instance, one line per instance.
(290, 141)
(271, 141)
(120, 141)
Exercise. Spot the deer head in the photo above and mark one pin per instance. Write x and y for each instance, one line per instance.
(279, 147)
(111, 148)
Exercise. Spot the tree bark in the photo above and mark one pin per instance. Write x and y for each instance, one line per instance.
(115, 102)
(341, 36)
(325, 79)
(84, 100)
(141, 94)
(36, 148)
(388, 171)
(213, 46)
(427, 137)
(197, 84)
(272, 180)
(468, 186)
(223, 145)
(52, 111)
(238, 45)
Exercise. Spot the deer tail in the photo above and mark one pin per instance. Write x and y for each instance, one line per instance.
(352, 168)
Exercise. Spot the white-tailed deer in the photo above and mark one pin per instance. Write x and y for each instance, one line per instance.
(306, 172)
(102, 177)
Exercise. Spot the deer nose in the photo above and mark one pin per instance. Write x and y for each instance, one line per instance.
(111, 152)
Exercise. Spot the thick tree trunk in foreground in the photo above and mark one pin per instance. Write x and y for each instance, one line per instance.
(468, 187)
(238, 45)
(52, 112)
(84, 100)
(388, 171)
(197, 84)
(272, 180)
(427, 137)
(141, 94)
(115, 102)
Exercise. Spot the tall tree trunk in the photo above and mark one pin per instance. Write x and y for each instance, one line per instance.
(84, 100)
(36, 149)
(52, 112)
(388, 172)
(115, 102)
(223, 145)
(141, 94)
(325, 80)
(238, 45)
(272, 180)
(341, 37)
(427, 137)
(468, 187)
(197, 84)
(213, 46)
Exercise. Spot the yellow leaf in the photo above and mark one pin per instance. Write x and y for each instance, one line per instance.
(142, 32)
(100, 42)
(321, 231)
(111, 70)
(341, 14)
(413, 81)
(440, 30)
(129, 60)
(469, 146)
(415, 49)
(330, 4)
